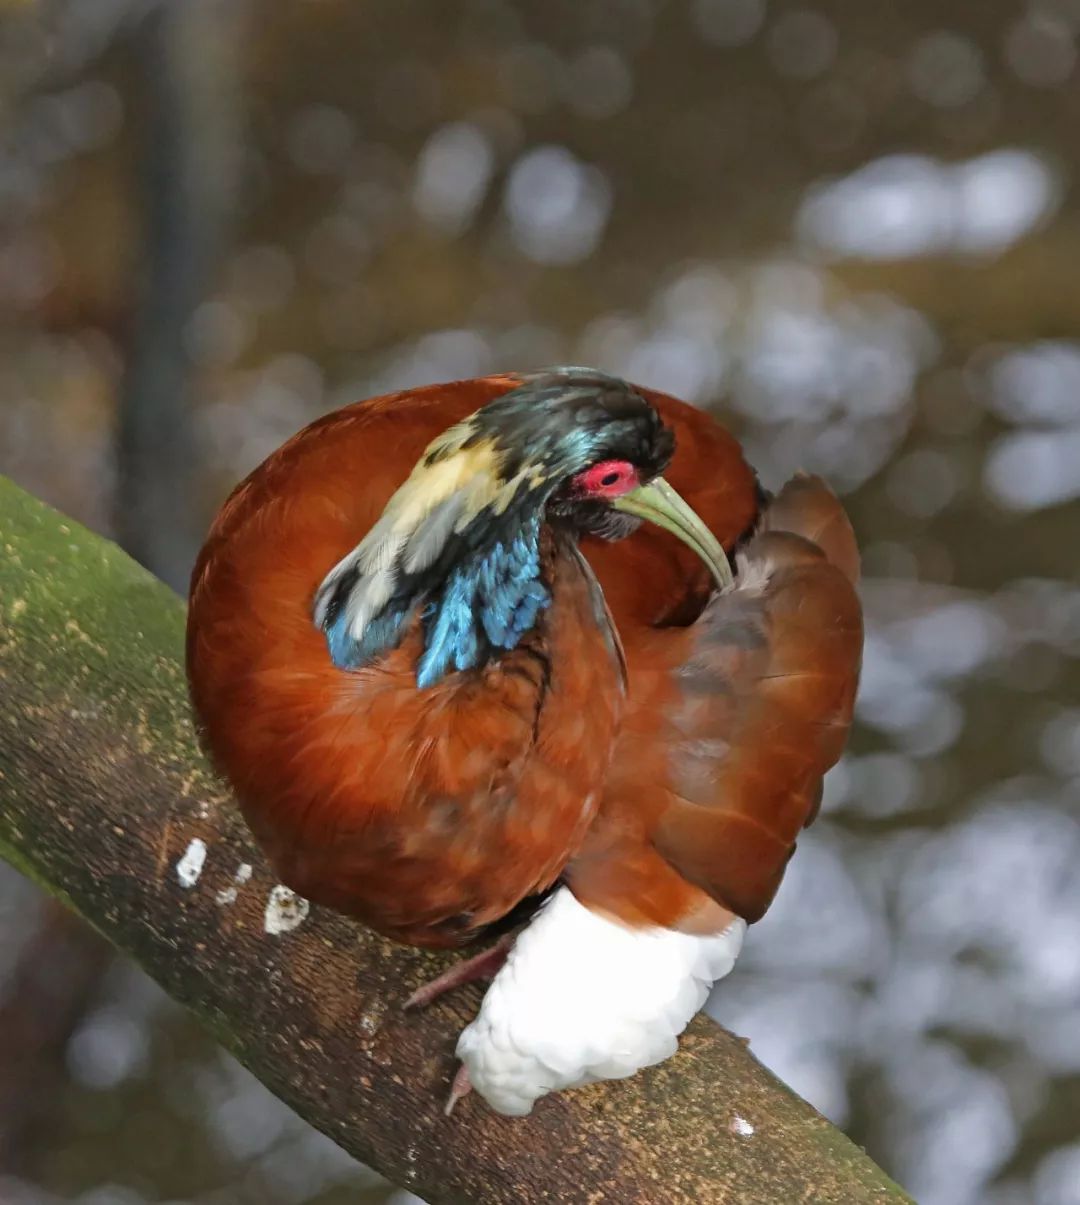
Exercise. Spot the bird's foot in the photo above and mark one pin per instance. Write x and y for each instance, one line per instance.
(484, 965)
(460, 1088)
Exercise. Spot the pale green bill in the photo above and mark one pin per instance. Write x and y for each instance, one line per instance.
(658, 503)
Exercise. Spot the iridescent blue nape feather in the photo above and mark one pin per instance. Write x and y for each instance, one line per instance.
(382, 633)
(492, 600)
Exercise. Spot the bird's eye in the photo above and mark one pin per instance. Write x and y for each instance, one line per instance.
(608, 479)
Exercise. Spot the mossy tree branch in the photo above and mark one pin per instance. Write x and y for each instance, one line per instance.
(102, 794)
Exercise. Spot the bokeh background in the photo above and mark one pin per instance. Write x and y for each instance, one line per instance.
(849, 229)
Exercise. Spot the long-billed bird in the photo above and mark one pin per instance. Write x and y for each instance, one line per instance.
(478, 648)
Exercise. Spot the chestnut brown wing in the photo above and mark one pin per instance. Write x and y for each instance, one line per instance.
(764, 702)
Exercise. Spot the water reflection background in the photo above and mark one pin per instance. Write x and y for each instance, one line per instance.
(852, 231)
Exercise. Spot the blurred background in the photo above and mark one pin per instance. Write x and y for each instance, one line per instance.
(849, 229)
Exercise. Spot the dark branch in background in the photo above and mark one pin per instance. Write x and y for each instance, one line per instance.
(188, 150)
(181, 53)
(106, 802)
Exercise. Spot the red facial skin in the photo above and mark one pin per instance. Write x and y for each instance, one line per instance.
(608, 479)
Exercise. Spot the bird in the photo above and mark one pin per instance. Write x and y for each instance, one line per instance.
(534, 659)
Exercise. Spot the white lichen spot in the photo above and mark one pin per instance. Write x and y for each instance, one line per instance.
(285, 910)
(190, 865)
(741, 1126)
(227, 895)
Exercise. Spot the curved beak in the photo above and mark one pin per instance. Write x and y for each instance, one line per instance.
(660, 504)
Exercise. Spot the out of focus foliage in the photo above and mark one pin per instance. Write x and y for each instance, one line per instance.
(851, 230)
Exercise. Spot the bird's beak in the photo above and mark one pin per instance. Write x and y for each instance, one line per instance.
(660, 504)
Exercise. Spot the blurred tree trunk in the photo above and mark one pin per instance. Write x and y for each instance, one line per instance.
(184, 55)
(106, 802)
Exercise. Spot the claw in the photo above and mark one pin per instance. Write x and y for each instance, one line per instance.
(460, 1088)
(484, 965)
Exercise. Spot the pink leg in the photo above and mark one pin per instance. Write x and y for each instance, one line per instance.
(485, 965)
(460, 1088)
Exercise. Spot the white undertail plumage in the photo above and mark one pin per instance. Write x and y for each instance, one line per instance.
(583, 998)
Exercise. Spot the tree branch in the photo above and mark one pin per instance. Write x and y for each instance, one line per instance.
(103, 793)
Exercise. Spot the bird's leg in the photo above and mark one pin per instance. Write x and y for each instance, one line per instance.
(484, 965)
(461, 1087)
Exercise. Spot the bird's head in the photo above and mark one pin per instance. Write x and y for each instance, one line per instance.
(460, 537)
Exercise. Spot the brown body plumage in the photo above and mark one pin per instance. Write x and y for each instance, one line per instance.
(431, 814)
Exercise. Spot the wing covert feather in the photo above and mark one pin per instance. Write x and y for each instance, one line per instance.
(765, 702)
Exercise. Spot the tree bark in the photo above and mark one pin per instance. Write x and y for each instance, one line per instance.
(106, 802)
